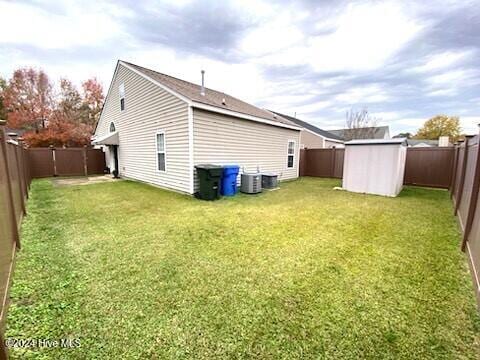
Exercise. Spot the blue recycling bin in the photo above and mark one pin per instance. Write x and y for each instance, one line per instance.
(229, 180)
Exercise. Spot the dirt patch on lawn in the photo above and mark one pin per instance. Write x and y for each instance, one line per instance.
(83, 180)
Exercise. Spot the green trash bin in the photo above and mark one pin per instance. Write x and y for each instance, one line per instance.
(210, 177)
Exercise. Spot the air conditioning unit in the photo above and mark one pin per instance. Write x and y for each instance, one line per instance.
(269, 181)
(251, 183)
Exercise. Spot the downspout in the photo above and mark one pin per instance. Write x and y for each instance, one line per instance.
(191, 169)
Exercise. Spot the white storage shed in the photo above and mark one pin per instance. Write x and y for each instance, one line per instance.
(374, 166)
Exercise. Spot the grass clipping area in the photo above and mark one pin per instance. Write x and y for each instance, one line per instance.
(138, 272)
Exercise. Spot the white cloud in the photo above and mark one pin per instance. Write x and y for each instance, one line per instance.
(240, 80)
(354, 41)
(272, 36)
(314, 107)
(82, 25)
(452, 77)
(451, 83)
(365, 94)
(366, 37)
(443, 92)
(444, 60)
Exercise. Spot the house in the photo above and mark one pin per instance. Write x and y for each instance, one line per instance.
(15, 133)
(443, 141)
(312, 137)
(155, 128)
(374, 132)
(422, 143)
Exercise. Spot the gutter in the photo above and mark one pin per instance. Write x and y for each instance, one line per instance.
(218, 110)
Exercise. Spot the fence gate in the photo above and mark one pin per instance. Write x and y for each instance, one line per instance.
(46, 162)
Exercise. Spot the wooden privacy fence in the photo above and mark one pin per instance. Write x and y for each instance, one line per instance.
(46, 162)
(465, 193)
(322, 162)
(14, 185)
(424, 166)
(432, 167)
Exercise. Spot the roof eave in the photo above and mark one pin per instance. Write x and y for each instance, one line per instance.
(199, 105)
(237, 114)
(323, 136)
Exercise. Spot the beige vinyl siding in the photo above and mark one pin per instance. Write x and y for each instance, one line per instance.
(222, 139)
(148, 109)
(311, 141)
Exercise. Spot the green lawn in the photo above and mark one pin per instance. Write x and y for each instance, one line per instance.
(138, 272)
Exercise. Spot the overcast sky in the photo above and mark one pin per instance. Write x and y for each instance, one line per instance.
(404, 60)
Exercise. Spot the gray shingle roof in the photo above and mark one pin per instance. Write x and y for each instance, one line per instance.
(310, 127)
(376, 132)
(212, 97)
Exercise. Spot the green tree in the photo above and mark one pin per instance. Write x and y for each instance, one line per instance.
(440, 125)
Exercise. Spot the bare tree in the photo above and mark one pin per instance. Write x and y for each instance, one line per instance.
(360, 124)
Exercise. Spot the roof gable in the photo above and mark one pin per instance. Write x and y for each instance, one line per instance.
(191, 92)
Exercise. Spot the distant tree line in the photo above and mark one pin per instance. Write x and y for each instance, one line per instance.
(435, 127)
(60, 117)
(440, 125)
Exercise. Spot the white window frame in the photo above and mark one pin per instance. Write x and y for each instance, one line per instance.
(110, 127)
(121, 88)
(161, 132)
(294, 153)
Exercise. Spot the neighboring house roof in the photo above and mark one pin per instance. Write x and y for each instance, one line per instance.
(15, 132)
(312, 128)
(374, 132)
(213, 98)
(422, 142)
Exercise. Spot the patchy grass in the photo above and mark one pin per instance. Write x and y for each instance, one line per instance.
(306, 271)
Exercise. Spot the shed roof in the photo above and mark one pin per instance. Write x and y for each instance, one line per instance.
(397, 141)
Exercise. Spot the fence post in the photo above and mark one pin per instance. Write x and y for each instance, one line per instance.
(85, 167)
(24, 163)
(473, 198)
(453, 183)
(3, 349)
(462, 177)
(20, 182)
(54, 161)
(334, 159)
(13, 220)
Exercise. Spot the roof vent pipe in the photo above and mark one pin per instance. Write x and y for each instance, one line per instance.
(202, 90)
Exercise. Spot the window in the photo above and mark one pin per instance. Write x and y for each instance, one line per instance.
(121, 94)
(161, 156)
(291, 154)
(112, 127)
